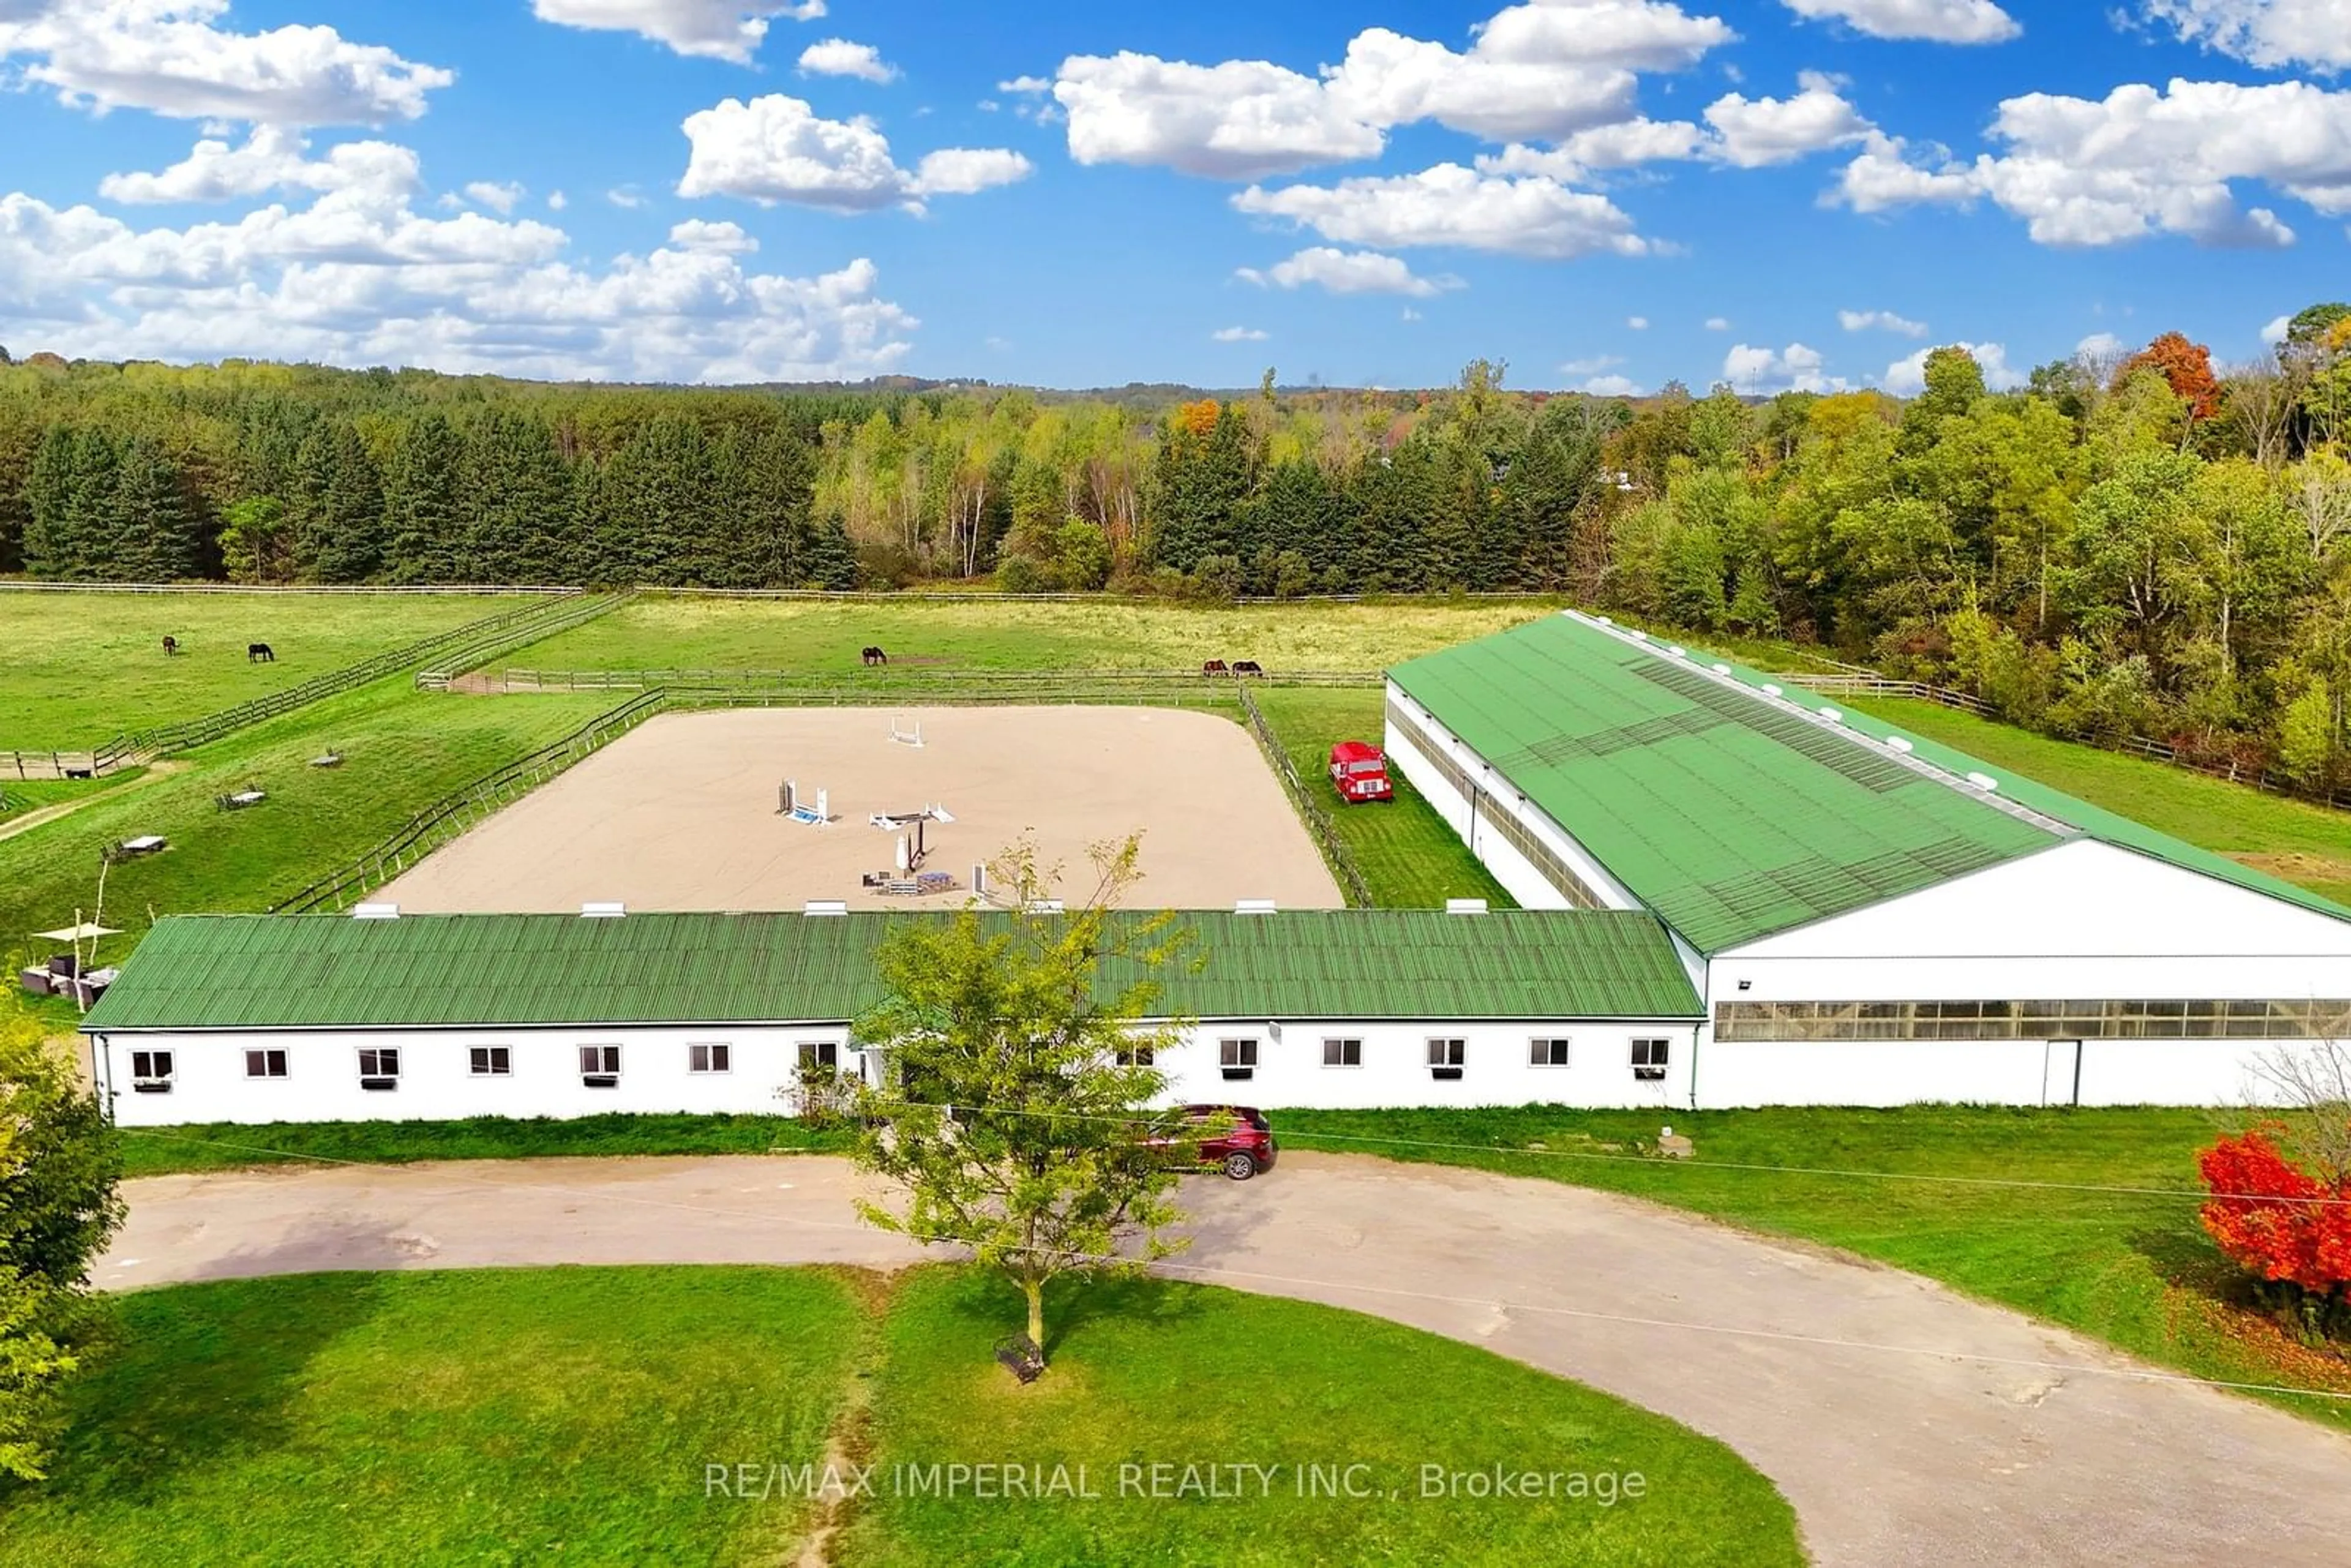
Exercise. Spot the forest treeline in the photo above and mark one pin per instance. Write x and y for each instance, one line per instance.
(2146, 544)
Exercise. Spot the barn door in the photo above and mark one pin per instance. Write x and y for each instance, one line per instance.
(2061, 1073)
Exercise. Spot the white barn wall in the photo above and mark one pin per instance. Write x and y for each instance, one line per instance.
(1411, 749)
(322, 1082)
(1395, 1071)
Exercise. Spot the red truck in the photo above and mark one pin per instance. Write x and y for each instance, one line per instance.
(1359, 771)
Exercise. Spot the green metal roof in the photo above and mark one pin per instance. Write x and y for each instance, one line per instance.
(1729, 816)
(222, 971)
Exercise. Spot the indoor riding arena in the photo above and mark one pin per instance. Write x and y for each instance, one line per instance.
(775, 808)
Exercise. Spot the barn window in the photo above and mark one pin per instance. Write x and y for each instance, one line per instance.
(1342, 1053)
(1138, 1055)
(492, 1060)
(265, 1064)
(710, 1059)
(150, 1072)
(1547, 1052)
(1238, 1059)
(823, 1053)
(600, 1066)
(1649, 1060)
(380, 1069)
(1446, 1058)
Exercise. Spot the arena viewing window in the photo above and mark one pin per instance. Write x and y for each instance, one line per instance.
(2292, 1019)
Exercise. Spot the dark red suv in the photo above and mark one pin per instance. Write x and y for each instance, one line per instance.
(1234, 1139)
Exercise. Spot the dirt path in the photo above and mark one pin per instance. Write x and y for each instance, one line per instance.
(45, 815)
(1906, 1423)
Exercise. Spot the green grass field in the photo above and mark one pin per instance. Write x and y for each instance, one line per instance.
(1184, 1374)
(233, 1145)
(2287, 838)
(576, 1414)
(403, 749)
(673, 633)
(82, 668)
(1408, 855)
(2134, 1271)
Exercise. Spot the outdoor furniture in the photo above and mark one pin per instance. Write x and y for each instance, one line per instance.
(36, 981)
(144, 844)
(331, 759)
(65, 964)
(1020, 1357)
(241, 799)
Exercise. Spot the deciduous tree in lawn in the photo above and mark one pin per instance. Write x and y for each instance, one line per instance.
(58, 1206)
(2281, 1203)
(1016, 1097)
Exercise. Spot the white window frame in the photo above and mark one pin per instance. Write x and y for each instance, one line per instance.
(819, 1053)
(489, 1061)
(1237, 1058)
(1449, 1051)
(1347, 1045)
(1138, 1053)
(152, 1081)
(1550, 1051)
(1658, 1049)
(606, 1065)
(266, 1052)
(717, 1058)
(379, 1082)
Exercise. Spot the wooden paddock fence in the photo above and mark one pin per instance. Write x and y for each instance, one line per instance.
(1319, 825)
(889, 683)
(496, 633)
(460, 809)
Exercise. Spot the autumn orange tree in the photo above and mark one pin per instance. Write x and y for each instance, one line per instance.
(2186, 366)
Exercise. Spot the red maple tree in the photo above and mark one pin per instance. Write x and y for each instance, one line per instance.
(2275, 1219)
(2186, 366)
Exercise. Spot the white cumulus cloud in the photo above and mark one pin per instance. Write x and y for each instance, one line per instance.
(1880, 321)
(500, 196)
(2274, 333)
(1938, 21)
(1795, 368)
(2139, 162)
(1348, 272)
(1907, 377)
(1639, 323)
(1612, 386)
(719, 29)
(1238, 335)
(170, 56)
(358, 276)
(1546, 70)
(2272, 34)
(778, 148)
(840, 58)
(271, 157)
(1755, 133)
(1452, 205)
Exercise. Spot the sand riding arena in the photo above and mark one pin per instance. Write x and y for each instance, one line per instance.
(688, 813)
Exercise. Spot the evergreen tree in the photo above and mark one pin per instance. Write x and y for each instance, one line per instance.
(422, 513)
(517, 503)
(152, 522)
(336, 507)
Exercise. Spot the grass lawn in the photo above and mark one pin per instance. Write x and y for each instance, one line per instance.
(665, 634)
(84, 667)
(538, 1415)
(2287, 838)
(2134, 1271)
(1412, 860)
(233, 1145)
(497, 1416)
(403, 749)
(1149, 1371)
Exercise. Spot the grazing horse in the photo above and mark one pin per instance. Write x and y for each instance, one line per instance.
(1215, 667)
(876, 656)
(171, 646)
(259, 654)
(1247, 667)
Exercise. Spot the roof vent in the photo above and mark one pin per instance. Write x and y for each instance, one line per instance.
(825, 907)
(1983, 781)
(1677, 651)
(1606, 620)
(375, 912)
(1719, 669)
(1897, 743)
(1636, 633)
(1465, 906)
(602, 911)
(1835, 715)
(1255, 906)
(1770, 690)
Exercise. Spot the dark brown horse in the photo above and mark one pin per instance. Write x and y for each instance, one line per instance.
(259, 654)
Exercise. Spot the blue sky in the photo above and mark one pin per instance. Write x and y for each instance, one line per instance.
(1787, 193)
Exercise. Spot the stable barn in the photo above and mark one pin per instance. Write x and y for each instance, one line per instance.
(325, 1017)
(1870, 919)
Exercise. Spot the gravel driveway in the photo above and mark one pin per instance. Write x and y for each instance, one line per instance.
(1906, 1423)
